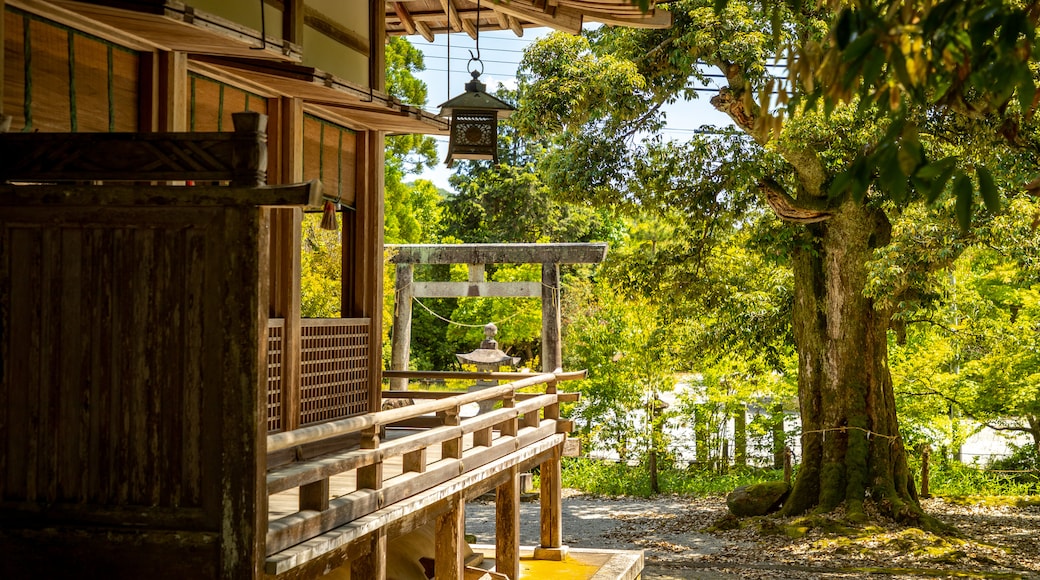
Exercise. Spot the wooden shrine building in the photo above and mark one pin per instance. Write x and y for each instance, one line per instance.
(165, 412)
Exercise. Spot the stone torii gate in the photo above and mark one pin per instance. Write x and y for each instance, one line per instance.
(477, 256)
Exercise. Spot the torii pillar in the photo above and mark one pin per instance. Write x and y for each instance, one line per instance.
(477, 256)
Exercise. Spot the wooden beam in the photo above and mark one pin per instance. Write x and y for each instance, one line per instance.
(335, 30)
(483, 289)
(406, 18)
(576, 253)
(514, 25)
(469, 26)
(656, 19)
(424, 30)
(454, 22)
(526, 10)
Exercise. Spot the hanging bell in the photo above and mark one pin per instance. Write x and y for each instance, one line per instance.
(474, 122)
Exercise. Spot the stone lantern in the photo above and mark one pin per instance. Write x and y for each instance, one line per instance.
(488, 359)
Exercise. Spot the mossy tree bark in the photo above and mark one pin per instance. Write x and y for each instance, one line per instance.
(851, 447)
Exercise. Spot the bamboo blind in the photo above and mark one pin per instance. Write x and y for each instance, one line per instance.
(334, 373)
(211, 103)
(330, 155)
(275, 390)
(64, 80)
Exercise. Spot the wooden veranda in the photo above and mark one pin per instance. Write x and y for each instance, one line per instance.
(141, 426)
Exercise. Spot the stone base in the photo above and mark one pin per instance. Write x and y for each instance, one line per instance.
(553, 554)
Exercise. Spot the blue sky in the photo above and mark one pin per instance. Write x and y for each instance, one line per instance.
(500, 52)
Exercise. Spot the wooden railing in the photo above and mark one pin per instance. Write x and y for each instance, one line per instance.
(344, 495)
(334, 371)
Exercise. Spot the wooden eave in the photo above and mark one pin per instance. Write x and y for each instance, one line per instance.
(179, 27)
(431, 17)
(366, 109)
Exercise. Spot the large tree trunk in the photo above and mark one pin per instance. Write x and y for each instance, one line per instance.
(851, 446)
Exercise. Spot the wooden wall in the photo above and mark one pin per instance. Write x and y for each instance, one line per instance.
(130, 401)
(60, 79)
(330, 155)
(211, 103)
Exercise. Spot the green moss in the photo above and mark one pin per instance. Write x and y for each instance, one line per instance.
(994, 500)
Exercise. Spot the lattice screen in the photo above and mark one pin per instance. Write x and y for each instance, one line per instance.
(334, 373)
(275, 350)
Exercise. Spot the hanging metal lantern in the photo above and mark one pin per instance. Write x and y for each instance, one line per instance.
(474, 122)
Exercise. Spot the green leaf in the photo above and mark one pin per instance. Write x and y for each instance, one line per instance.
(911, 154)
(859, 47)
(1026, 88)
(962, 190)
(891, 176)
(843, 29)
(948, 165)
(988, 190)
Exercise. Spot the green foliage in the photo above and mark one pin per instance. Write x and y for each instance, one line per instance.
(619, 479)
(625, 346)
(321, 270)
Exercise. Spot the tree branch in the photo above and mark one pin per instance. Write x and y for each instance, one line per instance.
(788, 208)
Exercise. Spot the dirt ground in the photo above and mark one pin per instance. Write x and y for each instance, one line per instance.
(1000, 541)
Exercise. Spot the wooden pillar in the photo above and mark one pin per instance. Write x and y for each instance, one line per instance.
(373, 564)
(292, 21)
(450, 532)
(5, 120)
(507, 526)
(171, 99)
(402, 330)
(551, 511)
(363, 255)
(552, 345)
(285, 226)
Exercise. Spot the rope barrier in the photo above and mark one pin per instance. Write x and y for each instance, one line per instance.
(846, 428)
(449, 321)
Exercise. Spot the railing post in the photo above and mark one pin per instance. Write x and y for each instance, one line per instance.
(507, 526)
(451, 448)
(249, 149)
(552, 411)
(450, 534)
(400, 345)
(414, 461)
(315, 496)
(509, 427)
(370, 476)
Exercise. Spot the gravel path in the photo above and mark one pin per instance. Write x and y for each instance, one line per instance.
(999, 541)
